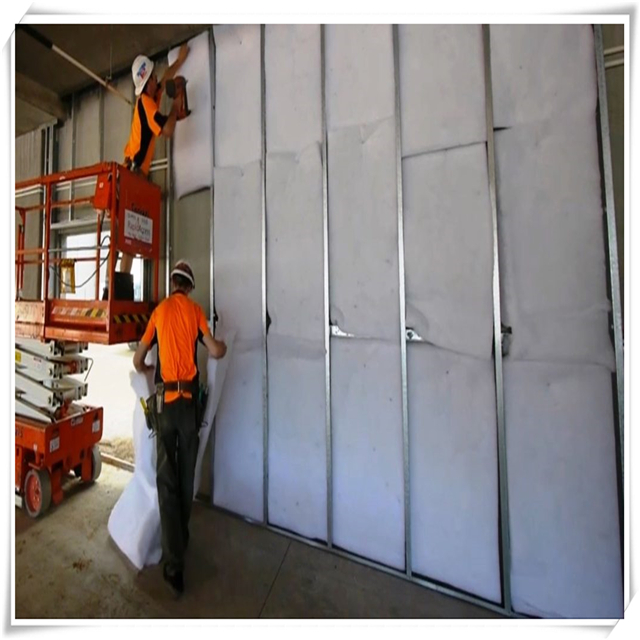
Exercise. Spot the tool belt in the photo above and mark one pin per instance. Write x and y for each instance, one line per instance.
(155, 403)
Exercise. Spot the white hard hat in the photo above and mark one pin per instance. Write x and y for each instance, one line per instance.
(141, 71)
(183, 268)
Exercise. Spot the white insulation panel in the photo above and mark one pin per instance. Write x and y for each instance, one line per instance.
(363, 230)
(193, 138)
(449, 249)
(542, 71)
(359, 74)
(293, 87)
(366, 411)
(563, 503)
(551, 244)
(238, 249)
(454, 470)
(295, 257)
(297, 439)
(441, 86)
(238, 95)
(238, 459)
(238, 466)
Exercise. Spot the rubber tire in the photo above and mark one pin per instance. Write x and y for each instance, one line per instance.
(43, 480)
(96, 463)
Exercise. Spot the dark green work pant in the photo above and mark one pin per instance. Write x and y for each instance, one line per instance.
(177, 448)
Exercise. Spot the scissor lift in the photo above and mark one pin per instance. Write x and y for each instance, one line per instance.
(56, 434)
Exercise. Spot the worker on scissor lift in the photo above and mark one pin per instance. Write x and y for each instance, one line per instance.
(148, 123)
(174, 411)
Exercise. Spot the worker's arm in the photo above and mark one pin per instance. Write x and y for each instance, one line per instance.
(173, 69)
(139, 356)
(217, 348)
(170, 125)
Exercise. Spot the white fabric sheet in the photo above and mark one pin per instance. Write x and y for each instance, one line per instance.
(449, 249)
(238, 249)
(216, 373)
(134, 522)
(363, 230)
(238, 461)
(563, 505)
(294, 98)
(366, 411)
(238, 95)
(297, 439)
(359, 74)
(295, 267)
(192, 140)
(551, 242)
(454, 470)
(441, 86)
(542, 71)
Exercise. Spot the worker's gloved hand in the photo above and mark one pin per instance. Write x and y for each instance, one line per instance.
(177, 89)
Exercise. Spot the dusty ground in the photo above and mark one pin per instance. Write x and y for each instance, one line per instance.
(67, 566)
(121, 448)
(110, 388)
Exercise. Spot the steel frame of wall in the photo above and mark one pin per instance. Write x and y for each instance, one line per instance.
(505, 607)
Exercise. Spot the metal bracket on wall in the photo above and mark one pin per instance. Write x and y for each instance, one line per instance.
(337, 332)
(411, 335)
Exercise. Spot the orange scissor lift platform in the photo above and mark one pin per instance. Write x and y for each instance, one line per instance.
(55, 435)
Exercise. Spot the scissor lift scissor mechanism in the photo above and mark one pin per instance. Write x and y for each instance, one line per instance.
(54, 432)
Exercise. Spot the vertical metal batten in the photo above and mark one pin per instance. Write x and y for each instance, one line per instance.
(614, 275)
(167, 218)
(74, 129)
(505, 547)
(101, 123)
(265, 391)
(402, 300)
(327, 338)
(212, 67)
(212, 295)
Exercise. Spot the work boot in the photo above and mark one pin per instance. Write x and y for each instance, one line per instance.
(174, 580)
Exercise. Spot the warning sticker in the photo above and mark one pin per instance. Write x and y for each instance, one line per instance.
(54, 445)
(18, 356)
(95, 427)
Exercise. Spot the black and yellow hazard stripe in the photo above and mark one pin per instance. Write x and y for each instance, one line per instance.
(97, 312)
(94, 313)
(125, 318)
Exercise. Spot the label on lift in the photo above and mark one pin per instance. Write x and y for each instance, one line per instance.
(54, 445)
(18, 356)
(95, 427)
(138, 227)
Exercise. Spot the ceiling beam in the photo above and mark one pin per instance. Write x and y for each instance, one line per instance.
(40, 97)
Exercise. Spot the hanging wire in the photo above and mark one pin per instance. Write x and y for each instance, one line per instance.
(79, 286)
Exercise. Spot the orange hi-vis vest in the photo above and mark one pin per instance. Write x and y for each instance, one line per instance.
(146, 125)
(176, 325)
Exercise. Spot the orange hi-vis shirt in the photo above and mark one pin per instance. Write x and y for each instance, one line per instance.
(146, 126)
(176, 324)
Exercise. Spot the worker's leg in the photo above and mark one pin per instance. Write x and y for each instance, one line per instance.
(188, 441)
(126, 262)
(168, 483)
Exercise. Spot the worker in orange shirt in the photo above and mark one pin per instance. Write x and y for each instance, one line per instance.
(148, 123)
(176, 325)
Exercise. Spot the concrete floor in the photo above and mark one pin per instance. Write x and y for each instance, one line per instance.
(68, 567)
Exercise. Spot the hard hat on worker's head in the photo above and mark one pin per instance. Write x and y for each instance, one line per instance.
(141, 71)
(183, 268)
